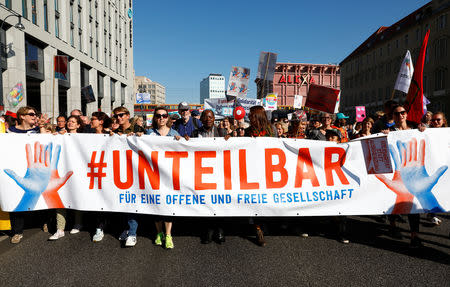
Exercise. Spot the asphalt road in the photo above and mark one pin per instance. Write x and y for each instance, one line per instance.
(371, 259)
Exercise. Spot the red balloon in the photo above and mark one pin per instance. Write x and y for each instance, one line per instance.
(239, 113)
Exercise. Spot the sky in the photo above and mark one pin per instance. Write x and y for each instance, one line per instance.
(178, 43)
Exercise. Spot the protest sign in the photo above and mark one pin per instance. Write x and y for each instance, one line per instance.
(298, 102)
(238, 81)
(270, 102)
(213, 177)
(360, 113)
(322, 98)
(143, 98)
(87, 94)
(149, 119)
(266, 66)
(247, 103)
(220, 107)
(61, 67)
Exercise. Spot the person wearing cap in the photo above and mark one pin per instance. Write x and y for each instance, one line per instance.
(196, 114)
(340, 124)
(186, 125)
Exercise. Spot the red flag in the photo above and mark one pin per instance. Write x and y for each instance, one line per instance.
(414, 99)
(322, 98)
(60, 67)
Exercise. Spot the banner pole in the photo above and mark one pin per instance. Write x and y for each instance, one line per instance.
(392, 95)
(53, 92)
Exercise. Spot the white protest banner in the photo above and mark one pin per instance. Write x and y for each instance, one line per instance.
(213, 177)
(298, 102)
(405, 74)
(270, 102)
(238, 81)
(220, 107)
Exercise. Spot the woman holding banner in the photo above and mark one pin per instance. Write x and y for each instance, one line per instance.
(74, 125)
(163, 127)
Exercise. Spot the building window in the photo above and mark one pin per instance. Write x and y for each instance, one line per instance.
(24, 9)
(33, 12)
(57, 18)
(71, 13)
(439, 76)
(45, 16)
(442, 21)
(441, 48)
(396, 44)
(8, 4)
(381, 51)
(80, 34)
(417, 34)
(406, 40)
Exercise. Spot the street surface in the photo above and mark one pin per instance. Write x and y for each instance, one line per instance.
(371, 259)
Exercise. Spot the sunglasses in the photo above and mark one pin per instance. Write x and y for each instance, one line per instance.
(158, 116)
(436, 120)
(31, 114)
(119, 115)
(400, 113)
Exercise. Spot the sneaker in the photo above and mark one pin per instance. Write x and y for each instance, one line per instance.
(169, 242)
(159, 239)
(304, 235)
(45, 227)
(436, 221)
(344, 240)
(16, 238)
(131, 241)
(260, 237)
(59, 234)
(74, 231)
(98, 236)
(124, 235)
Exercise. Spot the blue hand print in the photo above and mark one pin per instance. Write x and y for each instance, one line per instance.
(415, 177)
(36, 177)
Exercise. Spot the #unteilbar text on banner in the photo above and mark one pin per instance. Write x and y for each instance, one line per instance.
(214, 177)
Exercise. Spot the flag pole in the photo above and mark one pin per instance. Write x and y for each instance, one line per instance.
(53, 92)
(393, 93)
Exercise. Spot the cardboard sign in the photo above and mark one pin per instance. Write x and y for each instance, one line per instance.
(376, 155)
(322, 98)
(270, 102)
(298, 101)
(238, 81)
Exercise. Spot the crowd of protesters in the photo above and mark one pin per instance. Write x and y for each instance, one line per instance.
(187, 124)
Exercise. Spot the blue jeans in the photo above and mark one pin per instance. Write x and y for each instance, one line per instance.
(132, 225)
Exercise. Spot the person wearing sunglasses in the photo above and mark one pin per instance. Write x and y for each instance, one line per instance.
(319, 134)
(439, 120)
(162, 126)
(122, 115)
(27, 122)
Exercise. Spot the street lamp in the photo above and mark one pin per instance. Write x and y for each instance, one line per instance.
(18, 26)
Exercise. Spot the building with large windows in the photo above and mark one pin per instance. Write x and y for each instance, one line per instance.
(96, 35)
(156, 90)
(368, 74)
(212, 87)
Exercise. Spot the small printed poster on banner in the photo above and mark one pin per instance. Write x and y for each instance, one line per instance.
(238, 81)
(298, 101)
(143, 98)
(376, 155)
(322, 98)
(360, 113)
(270, 102)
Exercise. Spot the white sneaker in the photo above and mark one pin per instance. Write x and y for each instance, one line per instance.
(435, 220)
(59, 234)
(131, 241)
(98, 236)
(74, 231)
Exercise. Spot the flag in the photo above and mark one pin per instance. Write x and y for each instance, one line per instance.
(414, 99)
(405, 74)
(322, 98)
(60, 67)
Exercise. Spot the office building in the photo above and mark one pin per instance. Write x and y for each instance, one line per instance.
(212, 87)
(156, 90)
(370, 71)
(96, 35)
